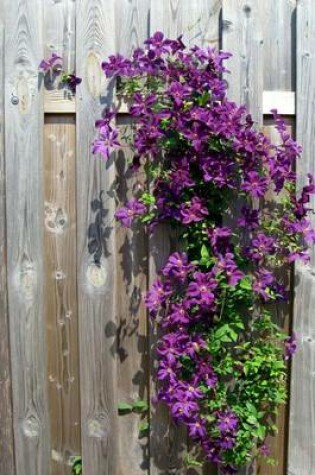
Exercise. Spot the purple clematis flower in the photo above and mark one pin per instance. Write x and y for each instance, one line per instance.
(255, 184)
(158, 43)
(157, 296)
(197, 429)
(261, 246)
(227, 421)
(72, 81)
(177, 266)
(194, 211)
(179, 92)
(227, 266)
(132, 209)
(184, 409)
(201, 289)
(290, 346)
(263, 280)
(54, 63)
(107, 141)
(177, 315)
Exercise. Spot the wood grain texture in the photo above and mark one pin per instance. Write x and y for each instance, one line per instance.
(198, 21)
(6, 427)
(242, 35)
(279, 31)
(95, 40)
(24, 209)
(132, 273)
(302, 422)
(60, 291)
(59, 21)
(131, 328)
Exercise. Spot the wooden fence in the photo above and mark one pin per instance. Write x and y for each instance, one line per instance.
(74, 336)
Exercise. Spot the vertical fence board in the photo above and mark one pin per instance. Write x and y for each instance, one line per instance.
(132, 345)
(6, 429)
(302, 422)
(95, 40)
(59, 20)
(60, 242)
(198, 21)
(131, 247)
(279, 27)
(24, 206)
(60, 291)
(242, 36)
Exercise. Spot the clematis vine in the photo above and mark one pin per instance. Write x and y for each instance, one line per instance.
(222, 360)
(54, 65)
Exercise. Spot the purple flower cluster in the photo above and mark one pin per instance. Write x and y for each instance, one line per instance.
(202, 153)
(54, 65)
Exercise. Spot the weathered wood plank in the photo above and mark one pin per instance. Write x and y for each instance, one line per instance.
(132, 273)
(6, 428)
(198, 21)
(302, 425)
(60, 291)
(24, 209)
(95, 40)
(279, 30)
(59, 21)
(131, 329)
(242, 35)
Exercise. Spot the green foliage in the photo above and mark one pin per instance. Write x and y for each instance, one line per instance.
(138, 406)
(76, 465)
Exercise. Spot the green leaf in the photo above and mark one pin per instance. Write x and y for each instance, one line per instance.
(204, 252)
(144, 427)
(252, 420)
(76, 465)
(124, 407)
(140, 406)
(147, 199)
(245, 283)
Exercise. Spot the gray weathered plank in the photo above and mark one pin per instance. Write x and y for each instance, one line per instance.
(95, 40)
(60, 291)
(24, 208)
(130, 332)
(131, 248)
(279, 30)
(59, 21)
(60, 249)
(6, 429)
(302, 423)
(198, 21)
(242, 35)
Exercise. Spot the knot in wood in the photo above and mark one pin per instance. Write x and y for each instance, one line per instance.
(30, 427)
